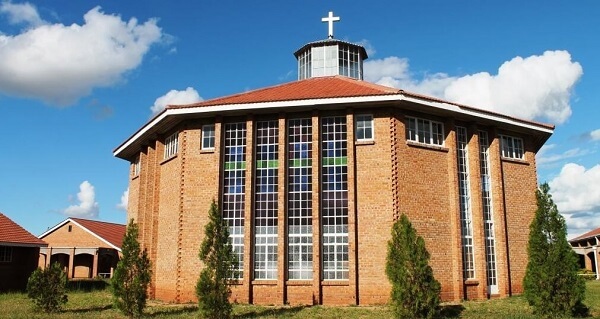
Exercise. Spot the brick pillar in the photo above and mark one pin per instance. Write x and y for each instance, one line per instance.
(316, 209)
(352, 224)
(95, 265)
(71, 271)
(48, 257)
(595, 250)
(248, 222)
(454, 212)
(477, 211)
(281, 209)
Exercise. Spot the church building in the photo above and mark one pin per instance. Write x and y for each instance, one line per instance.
(310, 175)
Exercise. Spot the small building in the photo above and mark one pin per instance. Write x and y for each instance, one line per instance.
(586, 246)
(19, 251)
(84, 248)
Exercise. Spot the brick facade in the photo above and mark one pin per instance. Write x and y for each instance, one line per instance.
(387, 177)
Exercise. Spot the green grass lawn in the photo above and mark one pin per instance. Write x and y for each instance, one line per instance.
(98, 305)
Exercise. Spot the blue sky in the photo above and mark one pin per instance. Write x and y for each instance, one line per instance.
(77, 79)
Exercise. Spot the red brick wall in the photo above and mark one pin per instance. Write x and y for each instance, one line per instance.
(373, 189)
(520, 184)
(170, 201)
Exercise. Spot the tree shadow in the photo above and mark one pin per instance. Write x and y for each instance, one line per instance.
(275, 311)
(87, 310)
(171, 311)
(451, 311)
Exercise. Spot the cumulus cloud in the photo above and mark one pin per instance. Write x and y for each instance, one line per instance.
(536, 87)
(174, 97)
(61, 63)
(21, 13)
(87, 207)
(543, 158)
(595, 135)
(576, 192)
(124, 201)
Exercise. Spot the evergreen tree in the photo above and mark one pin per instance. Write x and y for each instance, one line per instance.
(552, 286)
(219, 262)
(130, 281)
(415, 291)
(48, 288)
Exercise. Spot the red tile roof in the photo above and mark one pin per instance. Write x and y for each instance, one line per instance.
(13, 234)
(591, 233)
(327, 87)
(312, 88)
(110, 232)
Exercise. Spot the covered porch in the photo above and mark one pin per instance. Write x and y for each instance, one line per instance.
(587, 247)
(81, 262)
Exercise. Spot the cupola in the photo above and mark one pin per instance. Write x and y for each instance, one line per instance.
(330, 56)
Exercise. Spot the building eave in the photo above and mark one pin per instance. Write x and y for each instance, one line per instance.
(149, 129)
(29, 245)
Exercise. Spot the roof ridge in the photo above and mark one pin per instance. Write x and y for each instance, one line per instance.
(97, 221)
(365, 84)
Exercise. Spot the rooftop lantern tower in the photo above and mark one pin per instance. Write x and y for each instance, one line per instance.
(330, 56)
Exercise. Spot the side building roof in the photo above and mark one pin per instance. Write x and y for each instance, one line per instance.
(12, 234)
(331, 92)
(590, 234)
(110, 233)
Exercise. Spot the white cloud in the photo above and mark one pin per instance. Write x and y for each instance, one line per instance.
(543, 159)
(174, 97)
(60, 64)
(536, 87)
(595, 135)
(25, 13)
(576, 192)
(124, 201)
(368, 47)
(87, 207)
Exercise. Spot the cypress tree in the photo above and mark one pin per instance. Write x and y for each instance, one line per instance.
(129, 283)
(219, 262)
(415, 292)
(552, 286)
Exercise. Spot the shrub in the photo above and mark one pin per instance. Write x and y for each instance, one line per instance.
(48, 288)
(219, 262)
(415, 291)
(552, 286)
(130, 281)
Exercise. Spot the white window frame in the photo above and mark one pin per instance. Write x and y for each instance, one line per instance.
(512, 147)
(424, 131)
(208, 135)
(364, 127)
(137, 167)
(171, 145)
(466, 213)
(6, 254)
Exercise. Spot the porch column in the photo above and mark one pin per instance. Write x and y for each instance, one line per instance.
(70, 270)
(48, 256)
(95, 265)
(595, 248)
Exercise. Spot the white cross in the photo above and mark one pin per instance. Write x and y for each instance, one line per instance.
(330, 19)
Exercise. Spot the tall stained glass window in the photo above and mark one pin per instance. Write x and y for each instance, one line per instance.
(234, 181)
(299, 210)
(466, 219)
(265, 200)
(334, 197)
(488, 213)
